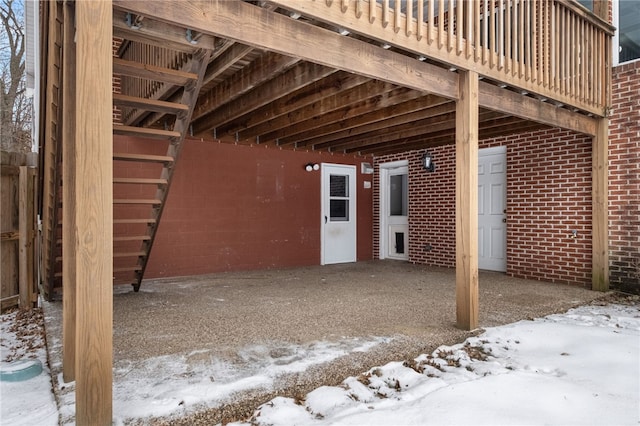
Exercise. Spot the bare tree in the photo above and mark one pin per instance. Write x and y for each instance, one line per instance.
(15, 106)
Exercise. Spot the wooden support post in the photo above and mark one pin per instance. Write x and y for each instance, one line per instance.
(601, 9)
(23, 238)
(93, 197)
(68, 193)
(600, 205)
(467, 202)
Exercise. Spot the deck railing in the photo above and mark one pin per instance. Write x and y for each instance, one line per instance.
(555, 49)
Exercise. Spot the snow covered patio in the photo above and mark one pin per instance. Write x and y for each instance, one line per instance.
(235, 340)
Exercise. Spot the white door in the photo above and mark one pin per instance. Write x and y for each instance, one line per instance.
(492, 209)
(394, 211)
(338, 222)
(398, 213)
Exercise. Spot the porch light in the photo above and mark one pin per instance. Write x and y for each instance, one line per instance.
(312, 166)
(427, 162)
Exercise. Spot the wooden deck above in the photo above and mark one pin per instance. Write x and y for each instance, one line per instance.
(368, 77)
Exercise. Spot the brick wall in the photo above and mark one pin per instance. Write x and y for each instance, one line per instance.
(624, 178)
(548, 196)
(241, 208)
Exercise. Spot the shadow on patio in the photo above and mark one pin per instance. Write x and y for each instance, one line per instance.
(209, 348)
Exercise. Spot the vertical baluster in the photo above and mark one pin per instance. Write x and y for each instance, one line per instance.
(420, 19)
(358, 9)
(409, 18)
(553, 41)
(485, 31)
(430, 27)
(459, 27)
(472, 25)
(441, 22)
(544, 44)
(345, 6)
(580, 36)
(450, 26)
(521, 36)
(385, 13)
(397, 15)
(583, 62)
(562, 30)
(492, 33)
(592, 63)
(534, 40)
(501, 35)
(475, 21)
(372, 11)
(508, 37)
(567, 51)
(515, 36)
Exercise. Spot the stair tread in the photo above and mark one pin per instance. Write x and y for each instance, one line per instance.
(129, 254)
(149, 104)
(131, 221)
(121, 129)
(143, 181)
(127, 268)
(132, 238)
(137, 201)
(143, 158)
(152, 72)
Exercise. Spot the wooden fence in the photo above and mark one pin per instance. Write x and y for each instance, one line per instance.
(18, 228)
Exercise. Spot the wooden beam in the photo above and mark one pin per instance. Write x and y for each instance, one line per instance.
(259, 71)
(384, 104)
(304, 97)
(286, 83)
(601, 9)
(600, 204)
(268, 30)
(503, 100)
(68, 197)
(467, 202)
(93, 199)
(159, 34)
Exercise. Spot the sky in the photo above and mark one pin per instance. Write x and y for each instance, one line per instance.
(581, 367)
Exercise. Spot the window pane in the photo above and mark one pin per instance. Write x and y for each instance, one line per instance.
(629, 39)
(400, 242)
(398, 202)
(338, 186)
(339, 210)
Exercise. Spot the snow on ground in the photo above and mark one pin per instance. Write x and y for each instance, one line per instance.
(582, 367)
(30, 402)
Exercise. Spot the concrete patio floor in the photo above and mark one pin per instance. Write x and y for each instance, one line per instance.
(412, 307)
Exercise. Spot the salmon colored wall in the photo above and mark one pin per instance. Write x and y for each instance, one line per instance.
(241, 208)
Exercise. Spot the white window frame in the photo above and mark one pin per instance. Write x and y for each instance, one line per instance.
(615, 12)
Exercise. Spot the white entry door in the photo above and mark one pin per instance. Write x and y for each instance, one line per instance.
(492, 209)
(338, 221)
(394, 211)
(397, 200)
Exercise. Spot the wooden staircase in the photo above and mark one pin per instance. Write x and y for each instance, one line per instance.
(155, 105)
(136, 218)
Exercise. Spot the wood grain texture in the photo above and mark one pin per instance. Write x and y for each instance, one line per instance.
(68, 201)
(259, 27)
(600, 203)
(467, 202)
(94, 213)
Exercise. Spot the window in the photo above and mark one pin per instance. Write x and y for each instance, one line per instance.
(626, 19)
(339, 198)
(626, 43)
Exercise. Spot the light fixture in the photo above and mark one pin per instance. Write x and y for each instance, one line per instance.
(312, 166)
(427, 162)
